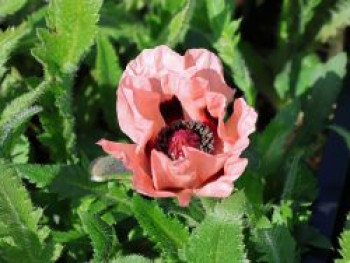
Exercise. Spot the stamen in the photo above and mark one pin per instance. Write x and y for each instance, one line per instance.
(184, 133)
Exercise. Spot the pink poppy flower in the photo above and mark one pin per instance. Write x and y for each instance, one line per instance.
(173, 109)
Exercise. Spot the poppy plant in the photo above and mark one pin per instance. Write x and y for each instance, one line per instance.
(173, 108)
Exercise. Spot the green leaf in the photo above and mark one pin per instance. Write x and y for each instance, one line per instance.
(314, 120)
(9, 39)
(22, 103)
(169, 234)
(343, 133)
(72, 28)
(24, 239)
(107, 73)
(102, 235)
(228, 48)
(20, 150)
(179, 24)
(131, 259)
(9, 7)
(107, 69)
(219, 14)
(345, 243)
(9, 131)
(70, 182)
(300, 184)
(272, 143)
(298, 75)
(277, 245)
(15, 114)
(219, 238)
(307, 235)
(340, 18)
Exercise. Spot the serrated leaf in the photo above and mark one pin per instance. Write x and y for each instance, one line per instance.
(22, 103)
(70, 182)
(340, 18)
(295, 80)
(20, 150)
(169, 234)
(102, 236)
(219, 13)
(9, 130)
(179, 24)
(314, 120)
(25, 239)
(72, 28)
(228, 47)
(345, 243)
(9, 7)
(107, 70)
(9, 40)
(219, 238)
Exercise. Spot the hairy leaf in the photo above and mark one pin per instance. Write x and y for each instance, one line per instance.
(228, 48)
(15, 114)
(169, 234)
(8, 41)
(219, 238)
(219, 13)
(24, 239)
(101, 234)
(340, 18)
(107, 69)
(70, 182)
(9, 7)
(71, 31)
(345, 243)
(179, 25)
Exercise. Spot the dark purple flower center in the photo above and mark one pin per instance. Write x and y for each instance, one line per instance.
(173, 137)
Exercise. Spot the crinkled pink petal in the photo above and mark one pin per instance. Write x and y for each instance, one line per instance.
(191, 94)
(234, 133)
(238, 127)
(206, 165)
(158, 61)
(140, 123)
(223, 186)
(143, 184)
(218, 189)
(216, 104)
(234, 168)
(168, 174)
(203, 59)
(121, 151)
(205, 64)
